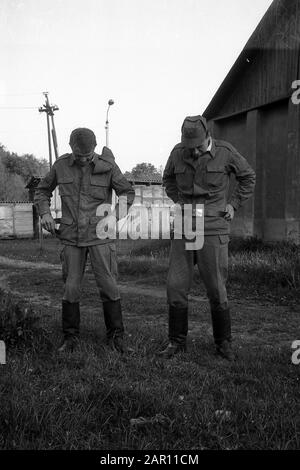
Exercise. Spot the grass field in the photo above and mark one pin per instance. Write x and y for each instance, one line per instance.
(259, 270)
(96, 399)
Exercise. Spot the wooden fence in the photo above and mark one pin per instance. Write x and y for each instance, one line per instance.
(16, 220)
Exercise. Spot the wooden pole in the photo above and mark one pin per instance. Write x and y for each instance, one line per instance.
(49, 110)
(49, 141)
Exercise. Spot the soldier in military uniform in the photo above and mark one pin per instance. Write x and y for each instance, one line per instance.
(85, 180)
(198, 172)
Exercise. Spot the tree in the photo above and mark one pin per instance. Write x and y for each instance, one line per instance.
(12, 186)
(128, 174)
(145, 169)
(26, 165)
(15, 172)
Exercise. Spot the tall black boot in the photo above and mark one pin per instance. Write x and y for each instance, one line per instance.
(114, 325)
(221, 324)
(178, 328)
(70, 325)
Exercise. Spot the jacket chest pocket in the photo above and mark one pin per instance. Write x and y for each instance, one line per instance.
(184, 177)
(215, 177)
(99, 185)
(66, 186)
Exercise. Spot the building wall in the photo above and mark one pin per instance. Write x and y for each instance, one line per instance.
(269, 138)
(21, 220)
(234, 130)
(16, 220)
(271, 171)
(252, 109)
(152, 194)
(144, 194)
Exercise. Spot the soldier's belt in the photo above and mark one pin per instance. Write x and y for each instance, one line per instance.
(207, 213)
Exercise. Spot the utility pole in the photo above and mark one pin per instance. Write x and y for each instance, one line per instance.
(49, 110)
(51, 132)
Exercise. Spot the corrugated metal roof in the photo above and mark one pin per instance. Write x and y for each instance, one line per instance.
(15, 202)
(146, 179)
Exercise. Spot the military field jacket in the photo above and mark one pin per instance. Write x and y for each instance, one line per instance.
(82, 191)
(206, 181)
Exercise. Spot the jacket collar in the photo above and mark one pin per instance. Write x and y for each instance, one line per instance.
(212, 150)
(72, 159)
(102, 163)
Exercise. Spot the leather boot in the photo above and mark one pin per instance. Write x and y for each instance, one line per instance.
(114, 326)
(225, 350)
(178, 328)
(221, 324)
(70, 325)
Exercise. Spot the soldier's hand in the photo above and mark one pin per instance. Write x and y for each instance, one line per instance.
(229, 213)
(48, 223)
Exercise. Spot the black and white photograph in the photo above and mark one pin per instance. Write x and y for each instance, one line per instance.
(149, 229)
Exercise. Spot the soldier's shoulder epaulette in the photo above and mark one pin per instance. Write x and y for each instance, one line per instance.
(227, 145)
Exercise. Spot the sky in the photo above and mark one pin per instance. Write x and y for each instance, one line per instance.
(159, 60)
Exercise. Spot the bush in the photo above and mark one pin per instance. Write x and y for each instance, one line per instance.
(18, 323)
(272, 265)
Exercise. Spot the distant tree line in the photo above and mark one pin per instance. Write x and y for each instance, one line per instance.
(143, 169)
(15, 172)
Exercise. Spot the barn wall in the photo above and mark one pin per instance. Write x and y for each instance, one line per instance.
(292, 177)
(238, 130)
(271, 171)
(269, 137)
(259, 86)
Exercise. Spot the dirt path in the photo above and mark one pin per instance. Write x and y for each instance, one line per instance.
(15, 265)
(40, 283)
(154, 291)
(20, 264)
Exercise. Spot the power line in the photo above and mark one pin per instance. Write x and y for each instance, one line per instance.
(20, 94)
(18, 107)
(19, 132)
